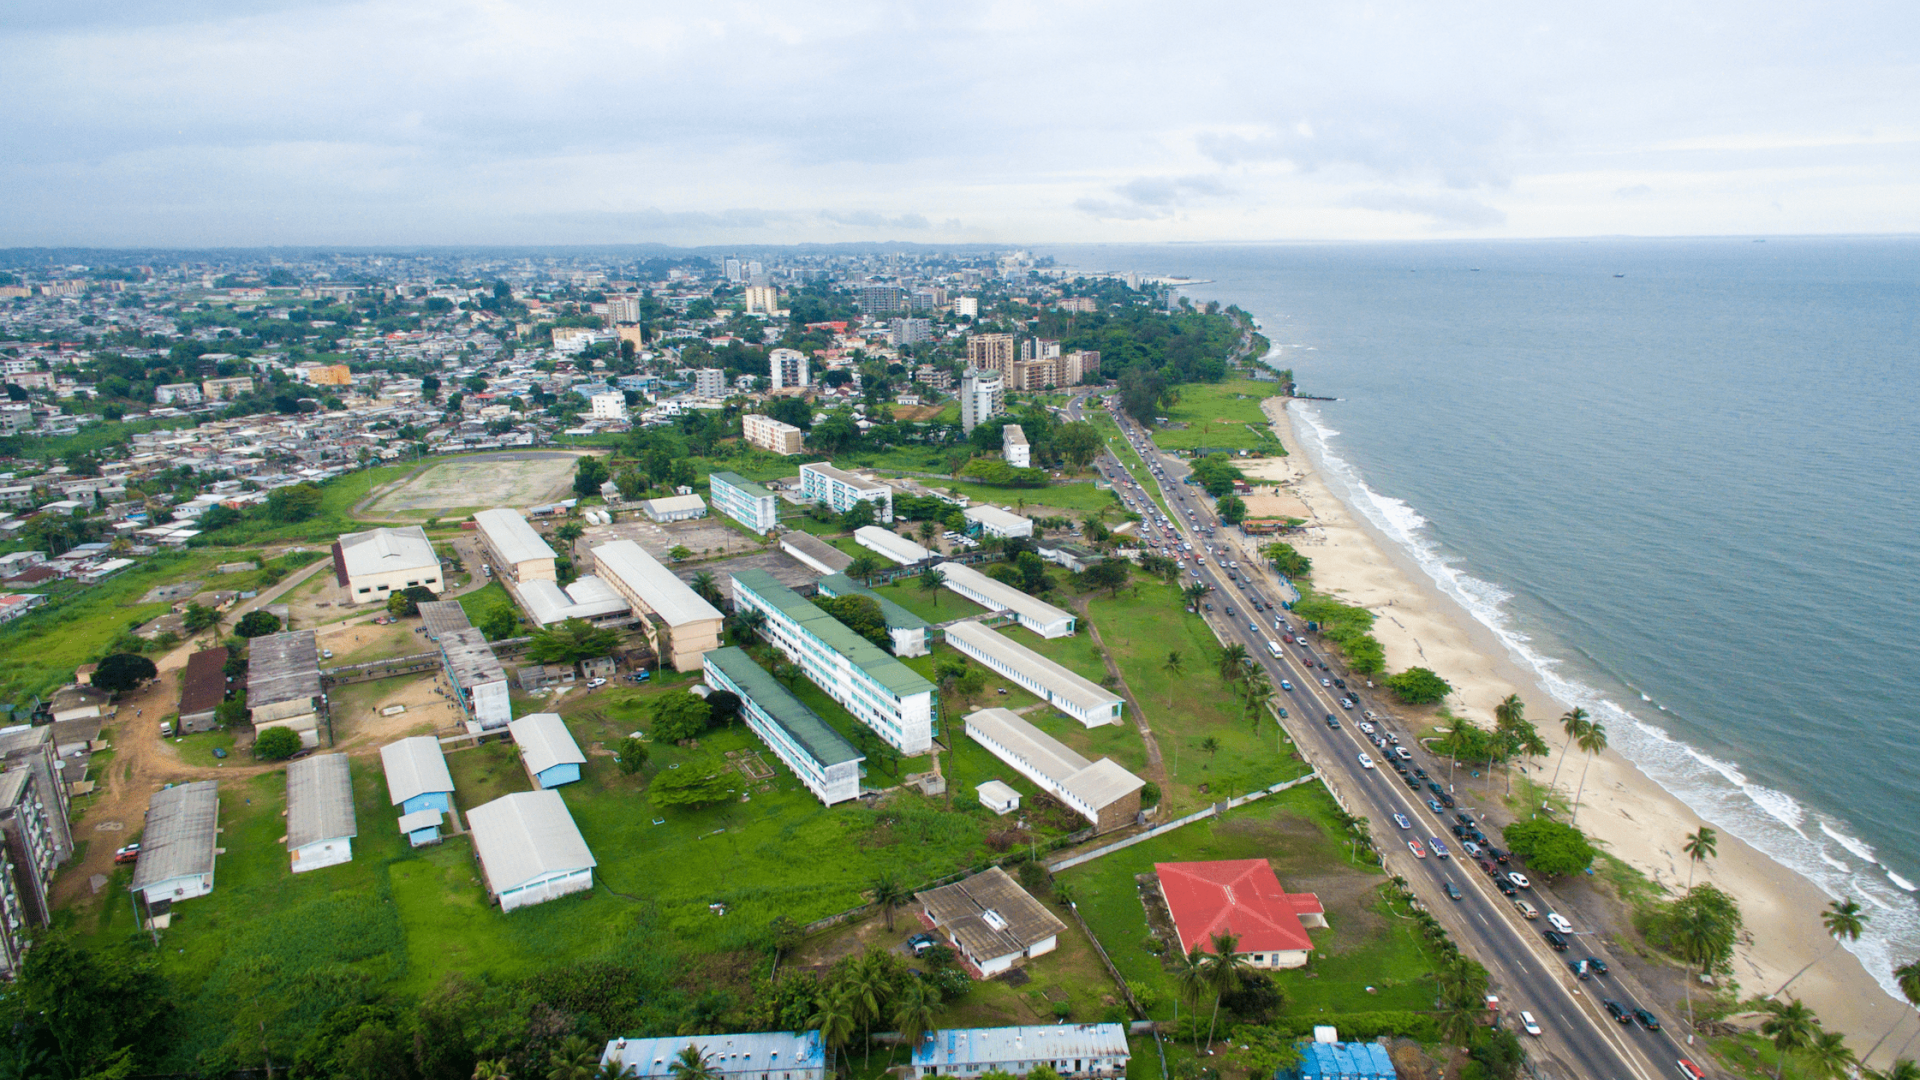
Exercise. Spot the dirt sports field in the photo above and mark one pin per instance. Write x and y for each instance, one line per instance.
(494, 480)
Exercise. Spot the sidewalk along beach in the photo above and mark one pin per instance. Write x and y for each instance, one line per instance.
(1626, 813)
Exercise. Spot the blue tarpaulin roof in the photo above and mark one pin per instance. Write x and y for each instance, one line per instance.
(1342, 1061)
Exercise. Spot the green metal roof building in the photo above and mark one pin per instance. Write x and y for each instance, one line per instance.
(911, 634)
(820, 756)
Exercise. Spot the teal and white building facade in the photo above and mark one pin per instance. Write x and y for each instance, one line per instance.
(880, 691)
(744, 501)
(821, 757)
(840, 489)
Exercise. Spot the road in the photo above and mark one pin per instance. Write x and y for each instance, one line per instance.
(1578, 1038)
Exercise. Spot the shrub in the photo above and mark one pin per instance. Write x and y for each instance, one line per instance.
(123, 671)
(257, 624)
(276, 744)
(1419, 686)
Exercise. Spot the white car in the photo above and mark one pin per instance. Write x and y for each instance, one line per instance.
(1559, 922)
(593, 684)
(1365, 761)
(1528, 1024)
(1403, 753)
(1519, 880)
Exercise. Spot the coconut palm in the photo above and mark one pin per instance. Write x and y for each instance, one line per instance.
(491, 1070)
(1592, 741)
(1843, 919)
(928, 530)
(1175, 666)
(691, 1064)
(612, 1069)
(575, 1060)
(865, 985)
(1700, 845)
(1523, 739)
(863, 567)
(930, 581)
(1509, 712)
(1792, 1028)
(833, 1018)
(708, 589)
(1259, 690)
(1190, 982)
(1233, 661)
(1828, 1057)
(916, 1012)
(1225, 970)
(1903, 1069)
(1702, 933)
(1573, 722)
(888, 894)
(1907, 976)
(1193, 593)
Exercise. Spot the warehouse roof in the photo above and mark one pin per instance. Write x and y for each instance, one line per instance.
(544, 741)
(730, 1055)
(891, 544)
(625, 563)
(740, 484)
(1000, 595)
(989, 914)
(813, 550)
(443, 617)
(588, 598)
(470, 660)
(1097, 783)
(897, 677)
(182, 822)
(996, 517)
(897, 617)
(282, 667)
(1081, 692)
(803, 725)
(415, 767)
(512, 539)
(385, 551)
(319, 800)
(674, 504)
(951, 1048)
(203, 686)
(525, 835)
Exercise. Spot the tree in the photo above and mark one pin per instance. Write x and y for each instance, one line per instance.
(691, 1064)
(499, 621)
(1286, 560)
(219, 517)
(859, 515)
(916, 1012)
(709, 590)
(1193, 594)
(723, 706)
(276, 744)
(1211, 744)
(1828, 1057)
(1907, 976)
(197, 618)
(1844, 919)
(888, 894)
(679, 553)
(1225, 968)
(1231, 509)
(574, 1060)
(257, 624)
(930, 579)
(588, 474)
(123, 671)
(633, 755)
(858, 613)
(1574, 723)
(1174, 666)
(1592, 741)
(295, 502)
(1109, 574)
(1419, 686)
(569, 531)
(679, 715)
(1554, 848)
(833, 1018)
(570, 642)
(1792, 1028)
(1699, 846)
(694, 783)
(407, 601)
(630, 482)
(1701, 927)
(1190, 982)
(863, 567)
(83, 1012)
(1233, 661)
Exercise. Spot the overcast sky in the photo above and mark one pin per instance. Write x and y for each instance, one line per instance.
(242, 122)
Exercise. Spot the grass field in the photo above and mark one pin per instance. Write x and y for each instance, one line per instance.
(1220, 416)
(942, 605)
(1072, 498)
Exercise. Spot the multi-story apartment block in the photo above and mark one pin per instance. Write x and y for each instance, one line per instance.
(226, 389)
(882, 299)
(936, 378)
(839, 490)
(611, 405)
(983, 396)
(1013, 447)
(821, 757)
(744, 501)
(27, 828)
(966, 307)
(709, 382)
(769, 434)
(177, 394)
(622, 309)
(787, 369)
(876, 688)
(992, 352)
(1080, 304)
(762, 300)
(910, 331)
(1052, 371)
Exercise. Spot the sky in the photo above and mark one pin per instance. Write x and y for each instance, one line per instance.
(291, 122)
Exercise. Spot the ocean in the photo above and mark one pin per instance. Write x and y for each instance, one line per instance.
(1679, 478)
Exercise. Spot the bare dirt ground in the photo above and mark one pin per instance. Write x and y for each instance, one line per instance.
(513, 479)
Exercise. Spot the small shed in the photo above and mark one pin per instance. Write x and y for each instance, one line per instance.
(675, 508)
(547, 748)
(320, 819)
(599, 667)
(999, 798)
(417, 776)
(203, 687)
(421, 827)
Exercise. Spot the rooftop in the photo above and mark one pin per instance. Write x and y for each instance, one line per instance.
(470, 660)
(674, 504)
(1012, 435)
(897, 617)
(763, 1051)
(1082, 692)
(995, 516)
(414, 767)
(624, 562)
(282, 667)
(203, 686)
(816, 736)
(1097, 783)
(513, 540)
(990, 914)
(897, 677)
(179, 835)
(319, 800)
(891, 544)
(524, 835)
(1001, 595)
(1235, 896)
(385, 551)
(741, 484)
(954, 1047)
(544, 741)
(443, 617)
(817, 549)
(845, 477)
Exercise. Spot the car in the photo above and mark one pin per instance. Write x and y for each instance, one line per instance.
(1526, 910)
(1559, 922)
(1366, 727)
(1348, 705)
(1464, 818)
(1519, 880)
(1499, 856)
(1690, 1071)
(1209, 606)
(1254, 627)
(326, 654)
(1413, 784)
(1506, 887)
(1439, 848)
(1472, 849)
(219, 751)
(595, 684)
(1446, 800)
(1401, 752)
(920, 943)
(1365, 761)
(1421, 773)
(1229, 611)
(1331, 722)
(1580, 970)
(1596, 965)
(1647, 1019)
(1460, 831)
(1434, 805)
(1401, 820)
(1616, 1010)
(1452, 890)
(1558, 943)
(1528, 1024)
(1324, 682)
(130, 853)
(1418, 851)
(1285, 685)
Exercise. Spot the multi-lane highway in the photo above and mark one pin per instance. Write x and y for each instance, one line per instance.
(1578, 1038)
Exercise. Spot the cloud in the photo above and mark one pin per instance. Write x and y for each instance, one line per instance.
(1444, 210)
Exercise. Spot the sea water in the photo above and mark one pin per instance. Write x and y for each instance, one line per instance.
(1680, 479)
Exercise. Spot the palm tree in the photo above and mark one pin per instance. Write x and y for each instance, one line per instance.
(864, 986)
(491, 1070)
(703, 584)
(1190, 980)
(1509, 712)
(1828, 1057)
(1193, 593)
(1844, 918)
(691, 1064)
(751, 621)
(612, 1069)
(916, 1012)
(888, 894)
(930, 581)
(1211, 745)
(1175, 667)
(928, 530)
(1224, 971)
(1903, 1069)
(1700, 846)
(1592, 741)
(1233, 661)
(787, 673)
(863, 567)
(1703, 934)
(1525, 740)
(1791, 1027)
(575, 1060)
(1259, 690)
(1907, 975)
(1573, 722)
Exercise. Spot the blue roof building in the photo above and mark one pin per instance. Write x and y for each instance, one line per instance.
(1341, 1061)
(765, 1055)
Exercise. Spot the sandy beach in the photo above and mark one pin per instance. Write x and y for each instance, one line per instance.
(1633, 818)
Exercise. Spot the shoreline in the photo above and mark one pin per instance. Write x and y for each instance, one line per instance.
(1624, 811)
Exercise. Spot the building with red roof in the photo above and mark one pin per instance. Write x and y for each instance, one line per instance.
(1240, 897)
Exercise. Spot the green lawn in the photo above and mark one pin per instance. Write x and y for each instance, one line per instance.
(1220, 416)
(1073, 498)
(941, 605)
(478, 602)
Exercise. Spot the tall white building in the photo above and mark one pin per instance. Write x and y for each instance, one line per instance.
(839, 489)
(910, 331)
(762, 300)
(709, 382)
(966, 306)
(744, 501)
(982, 397)
(787, 368)
(609, 406)
(769, 434)
(1013, 447)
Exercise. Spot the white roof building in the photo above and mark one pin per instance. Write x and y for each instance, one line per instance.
(890, 544)
(320, 818)
(529, 848)
(997, 522)
(517, 549)
(675, 508)
(1078, 697)
(1036, 615)
(1075, 1051)
(693, 625)
(589, 598)
(375, 564)
(546, 746)
(177, 846)
(1100, 791)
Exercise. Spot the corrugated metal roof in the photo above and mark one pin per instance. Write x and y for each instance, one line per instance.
(415, 767)
(544, 741)
(987, 1046)
(1231, 896)
(842, 475)
(897, 677)
(384, 551)
(816, 736)
(895, 616)
(1082, 692)
(1345, 1061)
(443, 617)
(177, 842)
(891, 544)
(1097, 783)
(419, 819)
(765, 1051)
(469, 659)
(626, 564)
(319, 800)
(524, 835)
(1001, 595)
(282, 667)
(990, 914)
(511, 538)
(203, 686)
(674, 504)
(817, 550)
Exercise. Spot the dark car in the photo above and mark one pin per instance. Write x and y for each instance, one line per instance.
(1446, 800)
(1434, 787)
(1341, 683)
(1617, 1011)
(1229, 610)
(1596, 965)
(1647, 1019)
(1499, 856)
(1581, 970)
(1453, 893)
(1331, 722)
(1464, 818)
(1506, 889)
(1460, 831)
(1554, 939)
(1419, 772)
(920, 943)
(1414, 785)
